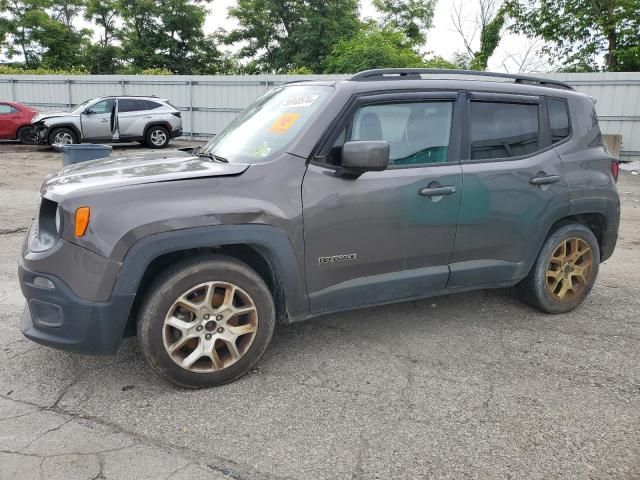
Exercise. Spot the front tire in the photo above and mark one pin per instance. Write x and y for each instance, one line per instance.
(565, 271)
(205, 322)
(157, 137)
(62, 136)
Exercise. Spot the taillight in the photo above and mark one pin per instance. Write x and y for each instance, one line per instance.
(177, 114)
(614, 169)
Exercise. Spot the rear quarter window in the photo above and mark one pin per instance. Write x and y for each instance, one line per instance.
(558, 119)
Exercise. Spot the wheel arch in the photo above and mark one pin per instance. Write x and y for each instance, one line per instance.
(20, 127)
(70, 126)
(158, 123)
(594, 221)
(265, 249)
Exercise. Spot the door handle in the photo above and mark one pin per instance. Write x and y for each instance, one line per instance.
(544, 180)
(105, 120)
(437, 191)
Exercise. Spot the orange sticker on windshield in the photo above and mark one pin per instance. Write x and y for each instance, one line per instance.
(284, 122)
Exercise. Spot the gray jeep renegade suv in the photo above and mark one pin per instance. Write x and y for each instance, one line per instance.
(320, 197)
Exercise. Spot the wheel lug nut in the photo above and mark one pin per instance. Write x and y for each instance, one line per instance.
(199, 328)
(208, 336)
(206, 316)
(220, 329)
(219, 317)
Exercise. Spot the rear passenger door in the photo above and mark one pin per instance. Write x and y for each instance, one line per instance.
(133, 116)
(514, 189)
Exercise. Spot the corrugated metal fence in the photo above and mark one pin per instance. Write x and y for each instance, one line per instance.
(210, 102)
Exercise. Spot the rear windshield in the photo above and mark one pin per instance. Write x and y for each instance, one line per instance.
(269, 125)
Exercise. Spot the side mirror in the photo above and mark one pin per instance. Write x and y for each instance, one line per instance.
(88, 111)
(364, 156)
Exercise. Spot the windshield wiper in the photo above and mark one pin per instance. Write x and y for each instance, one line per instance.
(211, 156)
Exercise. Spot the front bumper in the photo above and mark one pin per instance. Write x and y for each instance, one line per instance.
(176, 133)
(41, 134)
(54, 316)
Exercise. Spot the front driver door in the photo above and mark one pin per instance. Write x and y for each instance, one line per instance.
(386, 235)
(98, 120)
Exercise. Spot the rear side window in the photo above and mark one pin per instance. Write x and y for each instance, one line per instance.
(503, 130)
(131, 105)
(558, 119)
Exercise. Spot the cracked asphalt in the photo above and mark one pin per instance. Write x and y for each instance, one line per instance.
(473, 385)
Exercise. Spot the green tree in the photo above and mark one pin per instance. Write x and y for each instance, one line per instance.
(104, 56)
(583, 34)
(60, 46)
(488, 23)
(140, 33)
(43, 33)
(283, 35)
(439, 62)
(18, 21)
(168, 34)
(372, 47)
(66, 11)
(413, 17)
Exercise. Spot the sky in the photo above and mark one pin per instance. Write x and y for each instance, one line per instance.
(442, 39)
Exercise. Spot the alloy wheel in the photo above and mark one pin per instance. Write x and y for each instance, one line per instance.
(158, 137)
(63, 138)
(569, 269)
(210, 327)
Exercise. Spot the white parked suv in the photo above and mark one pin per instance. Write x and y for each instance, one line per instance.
(149, 120)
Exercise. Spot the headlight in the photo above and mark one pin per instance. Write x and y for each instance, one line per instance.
(47, 227)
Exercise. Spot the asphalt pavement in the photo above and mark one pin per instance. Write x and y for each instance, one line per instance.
(473, 385)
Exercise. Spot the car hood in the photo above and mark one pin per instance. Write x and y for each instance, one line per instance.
(45, 115)
(135, 169)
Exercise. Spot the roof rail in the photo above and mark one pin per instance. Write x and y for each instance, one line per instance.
(416, 74)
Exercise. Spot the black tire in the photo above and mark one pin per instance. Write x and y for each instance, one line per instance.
(27, 135)
(154, 133)
(170, 285)
(62, 131)
(534, 290)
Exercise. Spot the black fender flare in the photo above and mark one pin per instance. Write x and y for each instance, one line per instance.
(271, 242)
(554, 216)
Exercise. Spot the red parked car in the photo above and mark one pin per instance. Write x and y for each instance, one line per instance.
(15, 122)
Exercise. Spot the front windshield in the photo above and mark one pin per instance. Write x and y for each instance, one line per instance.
(269, 124)
(82, 106)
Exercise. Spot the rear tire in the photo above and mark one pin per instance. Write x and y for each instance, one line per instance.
(564, 272)
(205, 322)
(63, 136)
(157, 137)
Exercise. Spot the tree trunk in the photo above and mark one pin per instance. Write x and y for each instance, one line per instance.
(612, 59)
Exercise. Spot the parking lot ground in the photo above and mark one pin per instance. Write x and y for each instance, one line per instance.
(473, 385)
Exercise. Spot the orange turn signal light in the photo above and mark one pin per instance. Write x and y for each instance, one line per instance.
(82, 220)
